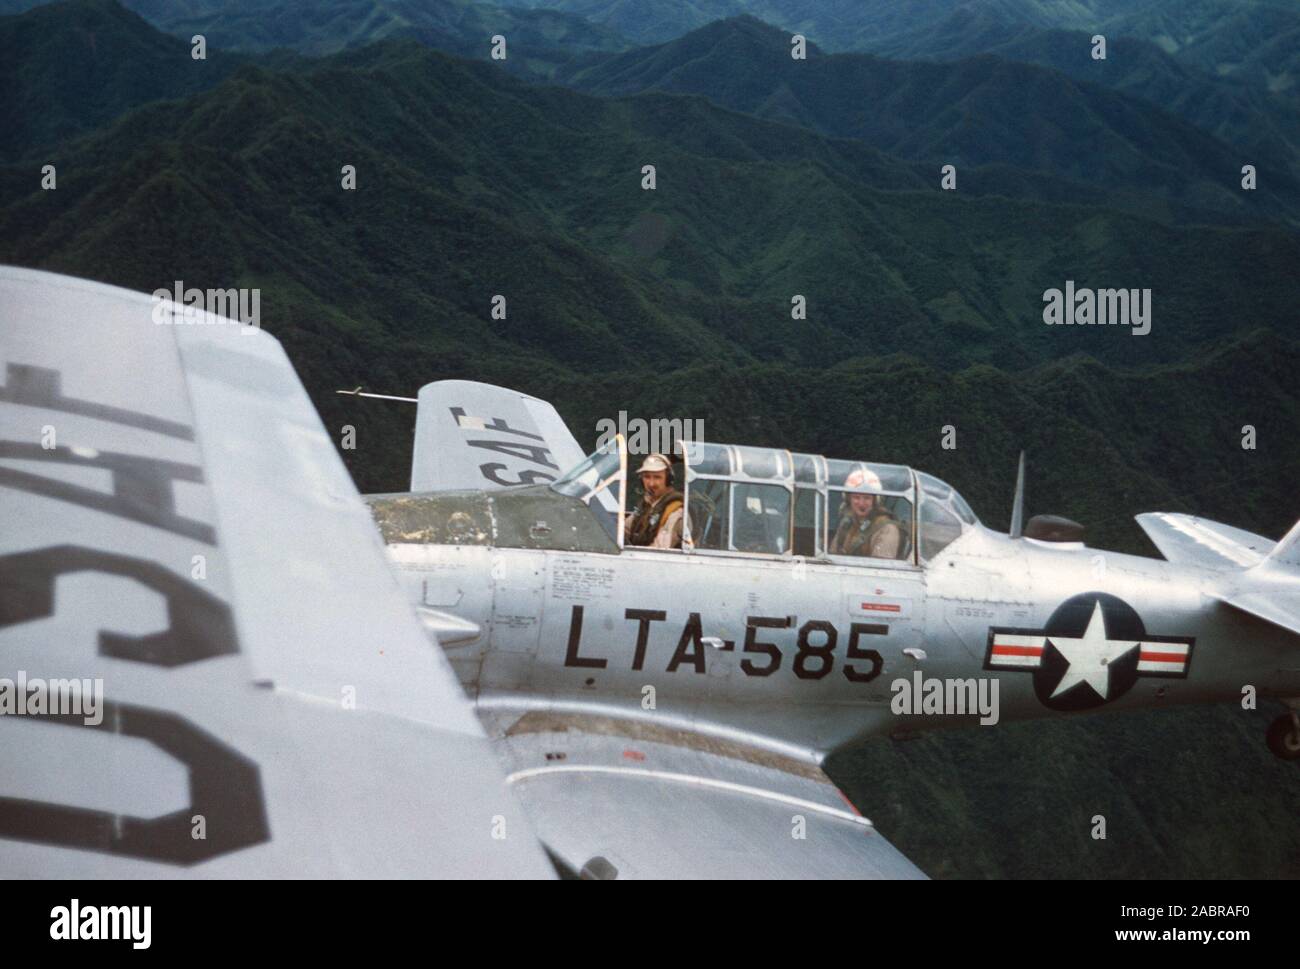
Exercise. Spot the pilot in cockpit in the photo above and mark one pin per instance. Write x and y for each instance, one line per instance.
(657, 521)
(866, 526)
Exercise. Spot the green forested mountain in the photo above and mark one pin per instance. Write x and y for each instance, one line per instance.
(1188, 793)
(535, 38)
(498, 186)
(1255, 41)
(1229, 72)
(1252, 39)
(69, 67)
(324, 26)
(471, 183)
(1232, 67)
(971, 112)
(654, 23)
(1098, 149)
(924, 310)
(1263, 122)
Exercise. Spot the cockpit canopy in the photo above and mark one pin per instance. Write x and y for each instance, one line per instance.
(772, 502)
(599, 480)
(944, 514)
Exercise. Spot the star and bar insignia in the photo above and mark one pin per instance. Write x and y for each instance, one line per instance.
(1092, 650)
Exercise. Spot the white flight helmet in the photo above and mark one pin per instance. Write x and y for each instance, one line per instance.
(864, 480)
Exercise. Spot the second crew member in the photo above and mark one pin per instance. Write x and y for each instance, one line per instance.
(866, 526)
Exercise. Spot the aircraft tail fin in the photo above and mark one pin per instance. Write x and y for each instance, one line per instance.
(1285, 556)
(471, 435)
(1270, 589)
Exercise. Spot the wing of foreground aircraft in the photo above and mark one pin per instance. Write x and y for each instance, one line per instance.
(614, 798)
(177, 524)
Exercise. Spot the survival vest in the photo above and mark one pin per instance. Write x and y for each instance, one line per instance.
(856, 537)
(647, 518)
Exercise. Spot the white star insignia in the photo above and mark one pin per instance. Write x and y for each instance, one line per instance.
(1090, 656)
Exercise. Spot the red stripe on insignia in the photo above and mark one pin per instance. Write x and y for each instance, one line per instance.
(1147, 656)
(1001, 650)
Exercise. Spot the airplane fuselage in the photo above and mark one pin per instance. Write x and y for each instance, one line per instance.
(809, 654)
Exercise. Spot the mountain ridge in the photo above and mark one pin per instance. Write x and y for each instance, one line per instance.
(966, 112)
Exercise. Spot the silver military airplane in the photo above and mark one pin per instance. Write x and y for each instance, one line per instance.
(179, 527)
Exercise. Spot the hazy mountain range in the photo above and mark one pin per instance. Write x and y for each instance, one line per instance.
(1257, 41)
(968, 112)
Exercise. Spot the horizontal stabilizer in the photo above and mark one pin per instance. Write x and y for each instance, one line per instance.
(1280, 607)
(1199, 542)
(1271, 589)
